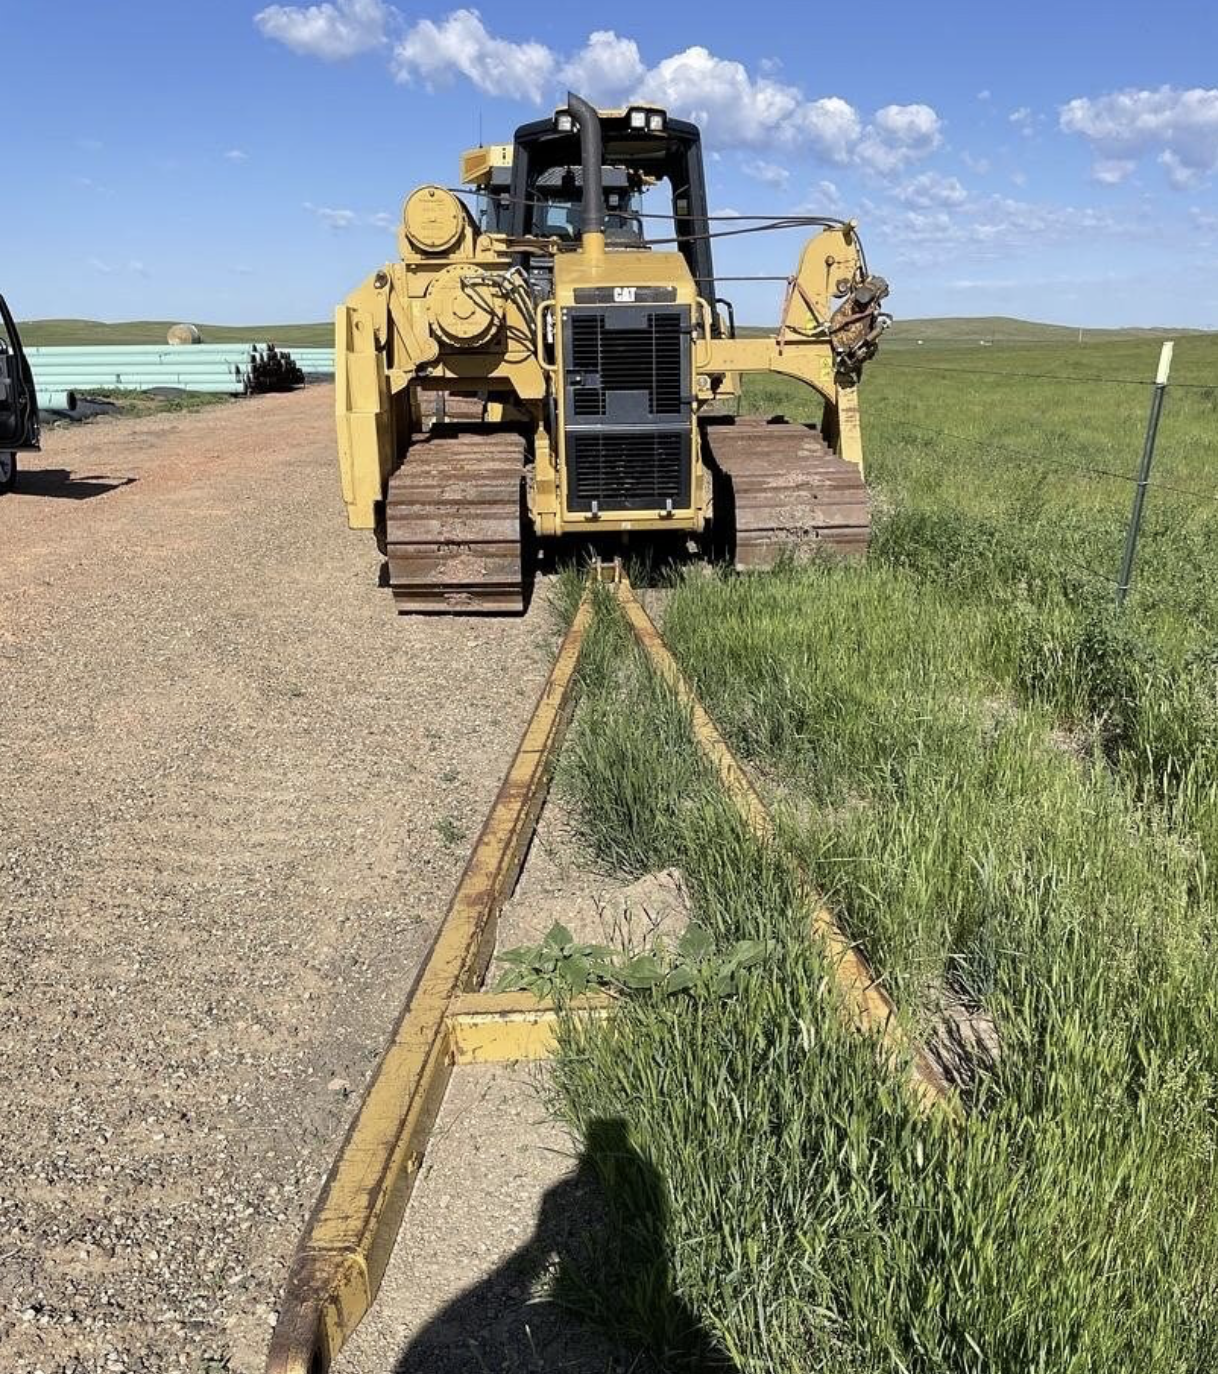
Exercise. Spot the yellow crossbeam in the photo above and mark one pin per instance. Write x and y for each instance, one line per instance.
(505, 1027)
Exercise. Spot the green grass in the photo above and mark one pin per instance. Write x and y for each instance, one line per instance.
(38, 333)
(1008, 793)
(1002, 330)
(136, 404)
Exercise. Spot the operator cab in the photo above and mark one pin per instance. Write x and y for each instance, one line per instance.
(534, 188)
(557, 201)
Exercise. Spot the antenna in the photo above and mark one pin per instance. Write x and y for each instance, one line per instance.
(479, 127)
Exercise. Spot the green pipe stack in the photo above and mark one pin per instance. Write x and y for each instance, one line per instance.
(239, 369)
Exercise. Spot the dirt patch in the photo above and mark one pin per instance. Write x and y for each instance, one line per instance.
(237, 792)
(559, 884)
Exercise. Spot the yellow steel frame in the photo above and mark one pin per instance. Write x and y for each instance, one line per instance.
(338, 1266)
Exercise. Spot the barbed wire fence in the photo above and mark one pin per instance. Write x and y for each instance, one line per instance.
(1140, 480)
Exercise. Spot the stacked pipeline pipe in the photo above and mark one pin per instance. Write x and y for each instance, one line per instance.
(223, 369)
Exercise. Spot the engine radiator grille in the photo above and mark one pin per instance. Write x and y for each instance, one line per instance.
(646, 361)
(627, 406)
(627, 469)
(627, 365)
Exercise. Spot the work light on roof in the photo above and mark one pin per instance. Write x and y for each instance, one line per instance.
(565, 122)
(638, 119)
(655, 122)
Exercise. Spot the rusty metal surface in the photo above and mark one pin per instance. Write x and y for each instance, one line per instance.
(341, 1259)
(453, 522)
(783, 490)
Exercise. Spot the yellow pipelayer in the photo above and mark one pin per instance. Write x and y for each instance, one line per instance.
(610, 360)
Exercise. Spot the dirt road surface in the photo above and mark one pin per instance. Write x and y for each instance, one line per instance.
(236, 793)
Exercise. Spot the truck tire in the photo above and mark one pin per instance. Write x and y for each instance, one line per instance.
(8, 471)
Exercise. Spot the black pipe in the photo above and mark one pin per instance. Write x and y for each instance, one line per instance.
(592, 220)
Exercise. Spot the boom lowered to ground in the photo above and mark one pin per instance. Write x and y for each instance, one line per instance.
(593, 368)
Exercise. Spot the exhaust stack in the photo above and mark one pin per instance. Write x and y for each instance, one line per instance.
(592, 221)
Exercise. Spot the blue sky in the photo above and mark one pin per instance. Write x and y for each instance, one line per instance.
(230, 161)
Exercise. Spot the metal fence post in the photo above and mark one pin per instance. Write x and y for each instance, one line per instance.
(1148, 454)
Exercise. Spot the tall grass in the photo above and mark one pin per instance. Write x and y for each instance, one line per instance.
(993, 487)
(813, 1220)
(1008, 792)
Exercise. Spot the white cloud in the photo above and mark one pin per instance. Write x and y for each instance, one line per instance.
(461, 46)
(735, 108)
(333, 31)
(343, 219)
(108, 269)
(983, 95)
(992, 226)
(983, 284)
(1024, 120)
(606, 69)
(931, 189)
(331, 218)
(980, 165)
(1179, 173)
(768, 173)
(826, 199)
(236, 155)
(831, 127)
(898, 135)
(1111, 171)
(1181, 126)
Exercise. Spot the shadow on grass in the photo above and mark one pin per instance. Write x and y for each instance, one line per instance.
(590, 1292)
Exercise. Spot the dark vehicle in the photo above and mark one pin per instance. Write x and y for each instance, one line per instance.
(18, 400)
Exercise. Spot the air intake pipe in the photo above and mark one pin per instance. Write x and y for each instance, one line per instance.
(592, 220)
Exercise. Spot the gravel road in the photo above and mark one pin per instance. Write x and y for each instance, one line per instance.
(235, 794)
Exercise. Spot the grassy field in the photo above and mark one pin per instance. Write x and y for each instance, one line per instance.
(1009, 793)
(1004, 331)
(38, 333)
(937, 333)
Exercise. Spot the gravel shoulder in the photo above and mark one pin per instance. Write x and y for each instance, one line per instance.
(237, 792)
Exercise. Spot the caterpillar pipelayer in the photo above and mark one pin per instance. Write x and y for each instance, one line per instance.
(595, 367)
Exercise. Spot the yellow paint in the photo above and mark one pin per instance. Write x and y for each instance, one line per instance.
(502, 1028)
(424, 323)
(476, 164)
(433, 219)
(339, 1264)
